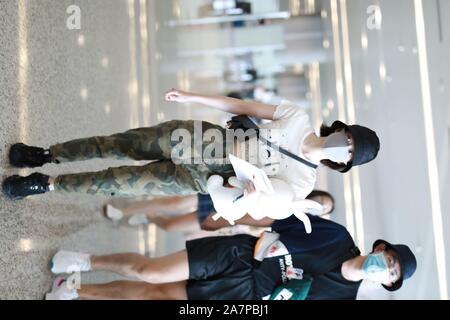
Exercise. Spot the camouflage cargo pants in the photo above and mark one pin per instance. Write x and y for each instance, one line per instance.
(165, 176)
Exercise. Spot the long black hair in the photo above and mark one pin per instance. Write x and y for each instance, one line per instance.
(318, 193)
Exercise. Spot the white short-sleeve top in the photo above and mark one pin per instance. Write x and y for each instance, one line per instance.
(290, 126)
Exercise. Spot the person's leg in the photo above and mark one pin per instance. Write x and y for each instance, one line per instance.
(133, 290)
(141, 212)
(151, 143)
(162, 206)
(171, 268)
(185, 223)
(161, 178)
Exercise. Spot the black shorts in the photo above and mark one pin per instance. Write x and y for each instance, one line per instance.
(223, 268)
(205, 207)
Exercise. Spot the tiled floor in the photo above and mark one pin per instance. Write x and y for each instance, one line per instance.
(59, 84)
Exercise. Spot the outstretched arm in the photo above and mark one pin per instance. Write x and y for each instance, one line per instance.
(231, 105)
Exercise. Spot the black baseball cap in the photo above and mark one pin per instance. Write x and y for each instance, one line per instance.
(366, 143)
(406, 258)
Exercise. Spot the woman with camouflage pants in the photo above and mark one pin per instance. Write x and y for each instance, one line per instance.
(182, 173)
(160, 177)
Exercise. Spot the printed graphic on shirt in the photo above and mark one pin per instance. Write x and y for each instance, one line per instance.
(287, 269)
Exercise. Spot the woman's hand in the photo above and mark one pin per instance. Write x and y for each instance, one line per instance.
(178, 96)
(249, 188)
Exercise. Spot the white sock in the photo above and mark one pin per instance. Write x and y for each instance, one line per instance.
(113, 213)
(138, 219)
(69, 262)
(51, 183)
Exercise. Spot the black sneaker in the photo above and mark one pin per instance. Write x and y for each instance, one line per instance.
(23, 156)
(17, 187)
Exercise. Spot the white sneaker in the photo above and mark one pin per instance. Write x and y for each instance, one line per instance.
(61, 291)
(69, 262)
(138, 219)
(113, 213)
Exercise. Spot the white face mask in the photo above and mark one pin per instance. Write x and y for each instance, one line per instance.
(336, 147)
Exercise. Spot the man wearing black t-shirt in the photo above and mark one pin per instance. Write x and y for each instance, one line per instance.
(226, 268)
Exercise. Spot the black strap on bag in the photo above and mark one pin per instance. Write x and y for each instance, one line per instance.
(244, 122)
(289, 154)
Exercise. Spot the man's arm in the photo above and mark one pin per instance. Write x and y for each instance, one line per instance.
(227, 104)
(210, 225)
(249, 221)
